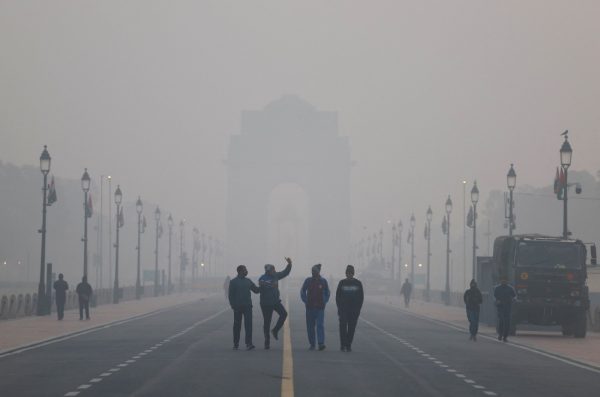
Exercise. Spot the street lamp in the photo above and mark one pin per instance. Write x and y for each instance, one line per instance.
(138, 285)
(157, 219)
(448, 211)
(119, 222)
(170, 224)
(181, 259)
(511, 182)
(566, 153)
(474, 200)
(400, 228)
(412, 248)
(42, 305)
(85, 186)
(429, 216)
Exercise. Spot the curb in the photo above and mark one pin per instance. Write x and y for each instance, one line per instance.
(43, 342)
(579, 363)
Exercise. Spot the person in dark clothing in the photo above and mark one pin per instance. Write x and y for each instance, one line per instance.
(473, 300)
(226, 286)
(241, 303)
(349, 298)
(268, 284)
(61, 287)
(406, 291)
(504, 294)
(315, 295)
(84, 291)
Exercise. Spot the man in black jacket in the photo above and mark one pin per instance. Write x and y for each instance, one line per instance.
(504, 294)
(61, 287)
(241, 303)
(473, 300)
(349, 298)
(84, 291)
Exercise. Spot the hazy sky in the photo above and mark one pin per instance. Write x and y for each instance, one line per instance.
(429, 92)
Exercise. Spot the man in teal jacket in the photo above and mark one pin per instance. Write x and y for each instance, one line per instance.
(241, 303)
(270, 301)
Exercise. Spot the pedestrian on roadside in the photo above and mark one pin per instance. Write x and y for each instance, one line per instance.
(84, 291)
(315, 295)
(473, 300)
(349, 298)
(61, 287)
(406, 291)
(240, 301)
(504, 294)
(226, 286)
(270, 301)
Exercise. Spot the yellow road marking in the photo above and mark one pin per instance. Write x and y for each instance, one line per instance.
(287, 376)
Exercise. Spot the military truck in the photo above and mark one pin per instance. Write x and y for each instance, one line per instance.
(549, 276)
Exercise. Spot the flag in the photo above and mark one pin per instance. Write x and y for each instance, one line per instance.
(470, 217)
(120, 218)
(51, 192)
(410, 237)
(426, 232)
(160, 230)
(556, 182)
(89, 210)
(143, 224)
(445, 226)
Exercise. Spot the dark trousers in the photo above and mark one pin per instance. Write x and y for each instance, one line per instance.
(238, 313)
(267, 311)
(84, 304)
(503, 320)
(60, 308)
(406, 300)
(473, 317)
(348, 320)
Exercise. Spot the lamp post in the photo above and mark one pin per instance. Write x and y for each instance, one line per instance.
(118, 201)
(181, 264)
(511, 182)
(45, 169)
(138, 285)
(170, 224)
(412, 249)
(399, 228)
(474, 200)
(156, 282)
(85, 186)
(566, 154)
(429, 217)
(448, 211)
(394, 243)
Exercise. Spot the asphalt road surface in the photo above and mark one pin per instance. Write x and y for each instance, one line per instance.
(187, 351)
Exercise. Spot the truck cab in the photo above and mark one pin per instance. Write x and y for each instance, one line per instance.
(549, 276)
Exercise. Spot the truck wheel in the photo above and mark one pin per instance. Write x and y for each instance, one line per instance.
(580, 324)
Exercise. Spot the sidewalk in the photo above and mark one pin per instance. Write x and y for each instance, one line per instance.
(585, 350)
(26, 331)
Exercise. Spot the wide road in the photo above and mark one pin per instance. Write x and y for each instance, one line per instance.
(187, 351)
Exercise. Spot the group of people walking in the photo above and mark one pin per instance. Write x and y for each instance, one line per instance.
(84, 294)
(315, 294)
(504, 295)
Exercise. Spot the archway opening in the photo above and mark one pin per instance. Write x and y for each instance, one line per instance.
(288, 226)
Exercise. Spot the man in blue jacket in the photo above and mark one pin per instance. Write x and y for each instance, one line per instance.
(315, 295)
(241, 303)
(270, 301)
